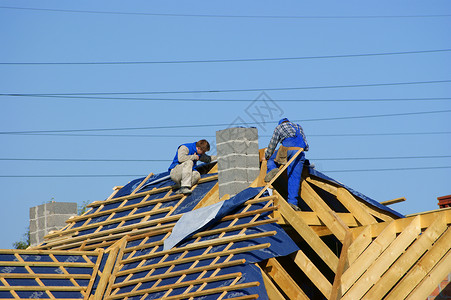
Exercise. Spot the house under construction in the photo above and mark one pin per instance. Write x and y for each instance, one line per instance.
(235, 237)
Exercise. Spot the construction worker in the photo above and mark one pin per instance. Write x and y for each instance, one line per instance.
(183, 168)
(292, 138)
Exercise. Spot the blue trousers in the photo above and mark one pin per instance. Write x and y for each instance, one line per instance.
(294, 172)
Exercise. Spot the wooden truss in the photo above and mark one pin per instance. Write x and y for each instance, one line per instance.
(348, 248)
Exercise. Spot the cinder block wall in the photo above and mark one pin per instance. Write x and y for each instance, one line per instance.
(238, 159)
(47, 217)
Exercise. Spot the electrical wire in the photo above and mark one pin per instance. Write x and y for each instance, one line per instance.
(225, 124)
(229, 60)
(142, 175)
(232, 90)
(229, 100)
(222, 16)
(166, 160)
(213, 136)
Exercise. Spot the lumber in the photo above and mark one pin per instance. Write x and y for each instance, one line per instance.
(342, 266)
(309, 235)
(271, 289)
(312, 272)
(393, 201)
(355, 207)
(282, 279)
(318, 205)
(384, 261)
(368, 257)
(422, 267)
(408, 259)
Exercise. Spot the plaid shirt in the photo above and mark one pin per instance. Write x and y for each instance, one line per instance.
(281, 132)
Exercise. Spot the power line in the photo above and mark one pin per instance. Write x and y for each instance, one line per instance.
(225, 124)
(166, 160)
(228, 60)
(142, 175)
(232, 90)
(223, 16)
(387, 169)
(213, 136)
(228, 100)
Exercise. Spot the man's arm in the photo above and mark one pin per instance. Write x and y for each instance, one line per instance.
(182, 154)
(207, 158)
(272, 144)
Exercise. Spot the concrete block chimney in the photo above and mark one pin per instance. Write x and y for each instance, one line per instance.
(48, 217)
(238, 159)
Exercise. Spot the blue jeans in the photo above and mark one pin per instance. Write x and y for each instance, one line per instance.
(294, 172)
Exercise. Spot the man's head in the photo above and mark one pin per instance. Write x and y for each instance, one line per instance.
(202, 146)
(283, 121)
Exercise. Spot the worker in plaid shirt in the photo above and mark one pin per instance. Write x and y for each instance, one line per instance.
(292, 137)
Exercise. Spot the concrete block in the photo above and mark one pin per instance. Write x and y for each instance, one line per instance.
(57, 221)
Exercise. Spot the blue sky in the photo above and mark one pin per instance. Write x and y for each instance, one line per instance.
(203, 52)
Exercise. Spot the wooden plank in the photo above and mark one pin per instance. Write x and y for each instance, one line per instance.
(318, 205)
(312, 272)
(309, 235)
(51, 288)
(282, 279)
(426, 221)
(342, 266)
(368, 257)
(332, 189)
(433, 279)
(422, 267)
(384, 261)
(194, 258)
(311, 218)
(202, 244)
(141, 184)
(156, 289)
(360, 244)
(210, 198)
(278, 173)
(408, 259)
(355, 207)
(214, 291)
(179, 273)
(270, 287)
(393, 201)
(107, 270)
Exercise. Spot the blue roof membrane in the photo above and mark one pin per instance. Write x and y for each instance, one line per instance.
(370, 201)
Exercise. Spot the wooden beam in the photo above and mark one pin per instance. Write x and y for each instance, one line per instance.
(422, 267)
(332, 189)
(308, 235)
(312, 272)
(342, 266)
(282, 279)
(318, 205)
(355, 207)
(270, 287)
(359, 244)
(373, 251)
(430, 282)
(384, 261)
(107, 270)
(393, 201)
(408, 259)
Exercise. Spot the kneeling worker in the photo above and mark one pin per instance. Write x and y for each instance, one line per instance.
(292, 138)
(183, 167)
